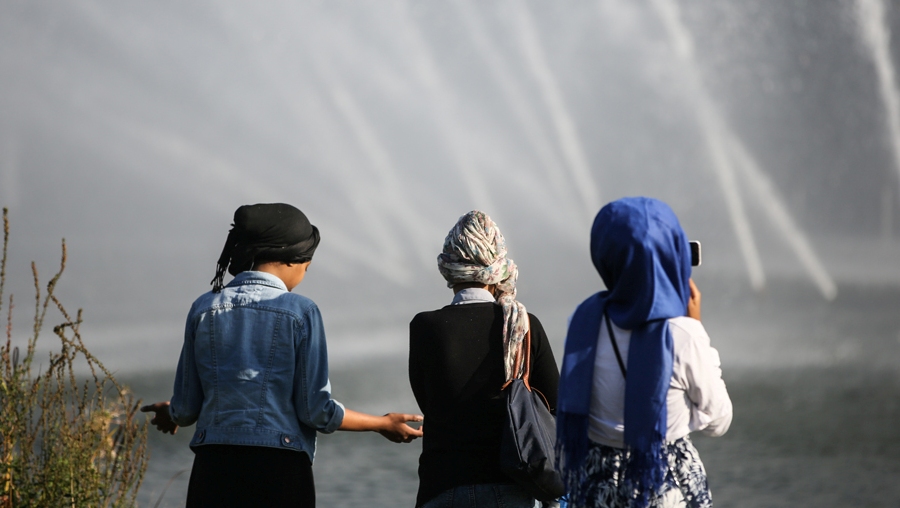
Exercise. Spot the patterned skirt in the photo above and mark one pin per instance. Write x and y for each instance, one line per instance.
(685, 484)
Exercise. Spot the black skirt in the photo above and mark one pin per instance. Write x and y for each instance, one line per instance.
(241, 476)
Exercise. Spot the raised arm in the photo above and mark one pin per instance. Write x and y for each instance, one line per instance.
(712, 409)
(693, 308)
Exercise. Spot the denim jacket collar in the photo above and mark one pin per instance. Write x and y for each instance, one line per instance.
(254, 277)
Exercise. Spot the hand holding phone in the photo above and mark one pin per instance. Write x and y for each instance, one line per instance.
(693, 308)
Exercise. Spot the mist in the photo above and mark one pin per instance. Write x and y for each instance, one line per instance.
(135, 129)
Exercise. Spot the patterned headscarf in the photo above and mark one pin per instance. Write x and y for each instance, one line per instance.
(475, 251)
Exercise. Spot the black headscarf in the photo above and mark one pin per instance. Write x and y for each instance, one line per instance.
(265, 232)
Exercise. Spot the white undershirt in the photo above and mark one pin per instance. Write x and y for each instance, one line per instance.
(697, 398)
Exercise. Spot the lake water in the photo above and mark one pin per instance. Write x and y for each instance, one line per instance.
(815, 386)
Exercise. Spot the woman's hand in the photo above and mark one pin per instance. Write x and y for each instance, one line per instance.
(397, 430)
(693, 308)
(392, 425)
(162, 419)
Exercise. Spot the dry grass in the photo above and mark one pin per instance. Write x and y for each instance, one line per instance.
(64, 441)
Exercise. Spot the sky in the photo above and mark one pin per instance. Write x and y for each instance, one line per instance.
(135, 129)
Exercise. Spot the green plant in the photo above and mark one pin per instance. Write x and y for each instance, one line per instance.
(64, 441)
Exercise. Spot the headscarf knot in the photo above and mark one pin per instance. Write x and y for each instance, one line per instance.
(475, 251)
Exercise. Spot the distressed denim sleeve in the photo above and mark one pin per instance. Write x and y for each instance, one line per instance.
(187, 398)
(312, 389)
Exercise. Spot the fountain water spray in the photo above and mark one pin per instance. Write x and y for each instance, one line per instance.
(765, 191)
(391, 199)
(877, 37)
(426, 69)
(729, 156)
(527, 119)
(563, 124)
(714, 130)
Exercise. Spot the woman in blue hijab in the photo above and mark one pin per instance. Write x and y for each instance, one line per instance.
(639, 374)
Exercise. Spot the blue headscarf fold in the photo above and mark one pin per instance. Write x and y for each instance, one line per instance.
(643, 257)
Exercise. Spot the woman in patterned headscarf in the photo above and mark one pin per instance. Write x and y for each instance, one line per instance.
(459, 358)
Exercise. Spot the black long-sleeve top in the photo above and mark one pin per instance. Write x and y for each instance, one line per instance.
(456, 373)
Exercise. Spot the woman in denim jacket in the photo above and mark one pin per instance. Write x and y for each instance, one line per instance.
(253, 372)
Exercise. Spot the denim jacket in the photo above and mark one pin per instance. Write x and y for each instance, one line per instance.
(254, 368)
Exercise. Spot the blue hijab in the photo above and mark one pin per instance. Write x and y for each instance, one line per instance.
(643, 257)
